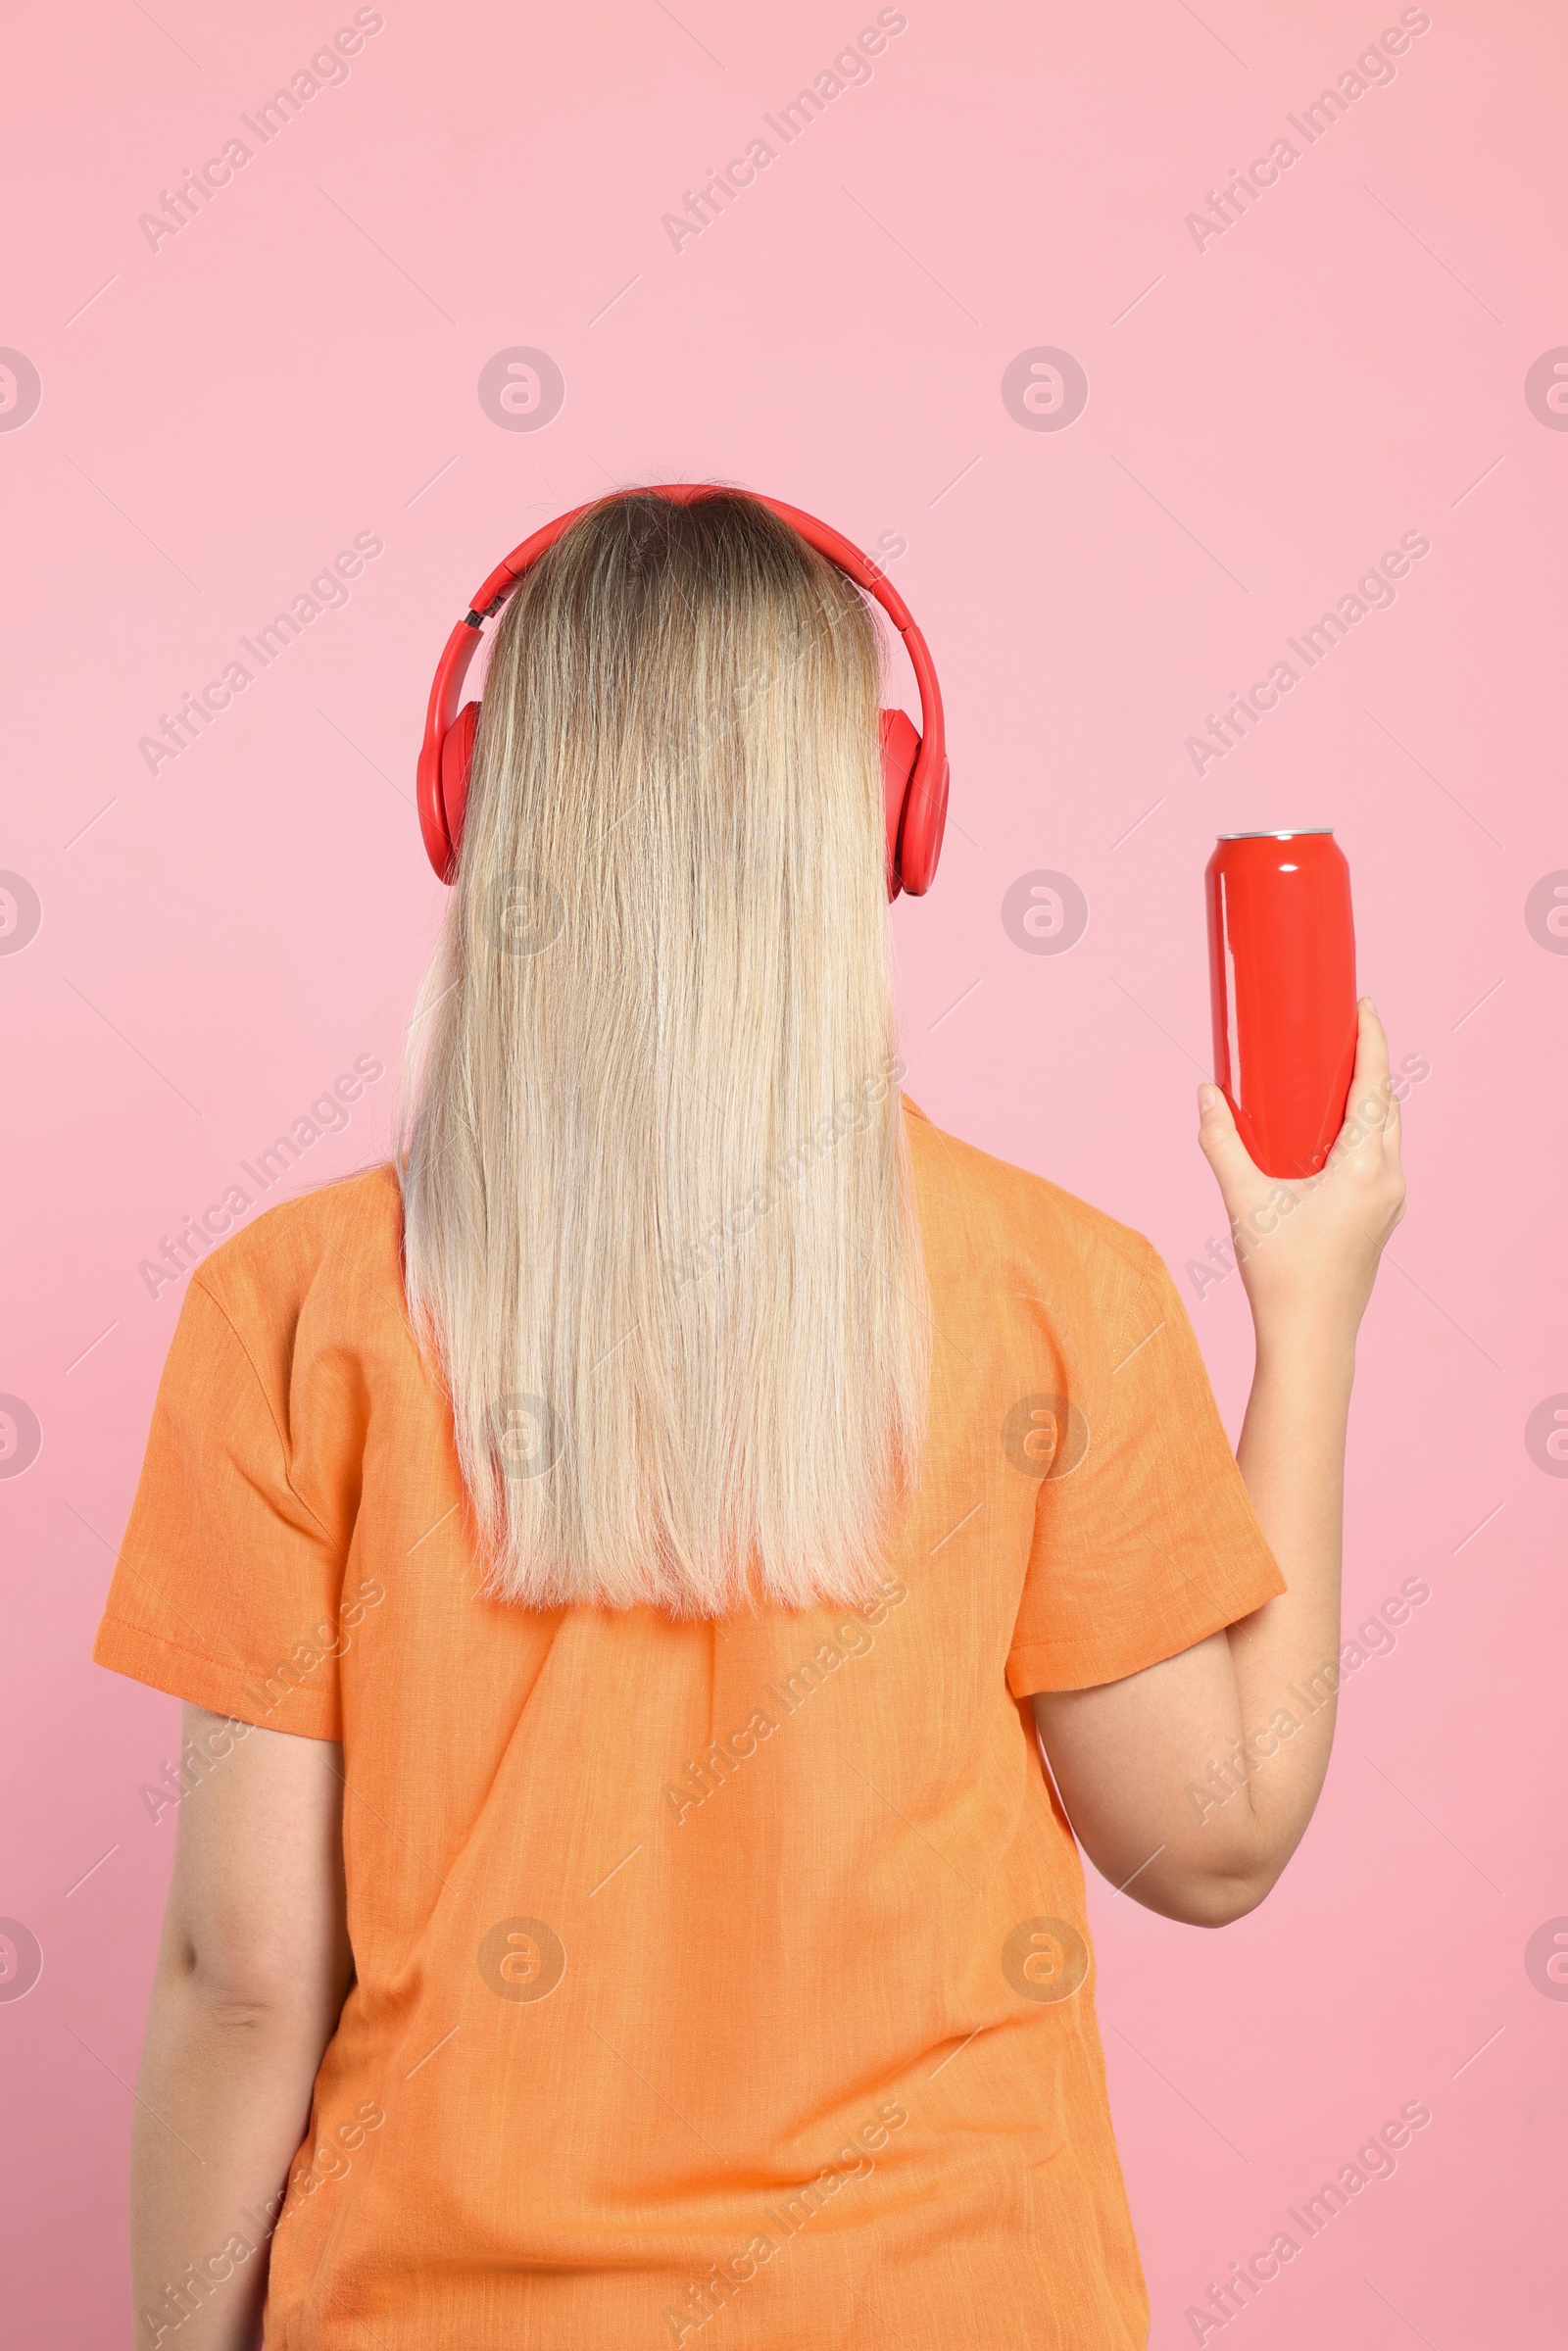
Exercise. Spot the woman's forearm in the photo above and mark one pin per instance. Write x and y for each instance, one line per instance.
(1286, 1656)
(223, 2100)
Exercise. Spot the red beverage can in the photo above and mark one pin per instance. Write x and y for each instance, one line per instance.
(1282, 986)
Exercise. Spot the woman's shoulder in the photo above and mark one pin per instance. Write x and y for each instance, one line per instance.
(338, 1244)
(999, 1206)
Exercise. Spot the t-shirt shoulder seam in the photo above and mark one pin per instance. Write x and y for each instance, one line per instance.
(1103, 1230)
(238, 1336)
(305, 1216)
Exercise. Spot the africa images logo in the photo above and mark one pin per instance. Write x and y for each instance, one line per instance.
(1373, 70)
(328, 69)
(329, 1114)
(1044, 389)
(1373, 592)
(21, 389)
(1045, 1959)
(1045, 913)
(21, 1959)
(521, 389)
(522, 1959)
(851, 70)
(20, 913)
(1044, 1437)
(21, 1435)
(326, 592)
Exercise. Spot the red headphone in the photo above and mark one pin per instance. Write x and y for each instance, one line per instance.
(915, 766)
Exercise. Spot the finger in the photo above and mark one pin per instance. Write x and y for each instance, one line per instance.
(1221, 1145)
(1367, 1110)
(1371, 1043)
(1393, 1138)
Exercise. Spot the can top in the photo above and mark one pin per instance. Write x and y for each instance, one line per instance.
(1291, 833)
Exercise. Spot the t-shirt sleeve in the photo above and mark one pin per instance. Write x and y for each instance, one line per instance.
(227, 1587)
(1145, 1538)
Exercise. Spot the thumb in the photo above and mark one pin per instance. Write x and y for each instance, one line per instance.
(1221, 1145)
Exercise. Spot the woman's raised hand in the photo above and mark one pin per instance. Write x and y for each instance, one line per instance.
(1308, 1250)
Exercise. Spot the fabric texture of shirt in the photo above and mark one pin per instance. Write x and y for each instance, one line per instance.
(716, 1983)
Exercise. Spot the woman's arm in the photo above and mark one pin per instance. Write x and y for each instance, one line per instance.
(1191, 1783)
(251, 1975)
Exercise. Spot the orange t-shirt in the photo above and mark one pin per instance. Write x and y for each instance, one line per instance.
(720, 1984)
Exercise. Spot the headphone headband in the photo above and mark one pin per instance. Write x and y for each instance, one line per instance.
(923, 789)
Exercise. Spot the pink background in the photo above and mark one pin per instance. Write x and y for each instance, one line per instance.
(1344, 365)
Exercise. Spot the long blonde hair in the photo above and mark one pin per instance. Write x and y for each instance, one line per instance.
(659, 1234)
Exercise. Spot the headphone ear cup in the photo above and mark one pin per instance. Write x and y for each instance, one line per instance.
(456, 761)
(925, 820)
(900, 748)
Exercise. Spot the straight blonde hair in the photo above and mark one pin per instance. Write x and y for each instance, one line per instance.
(660, 1232)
